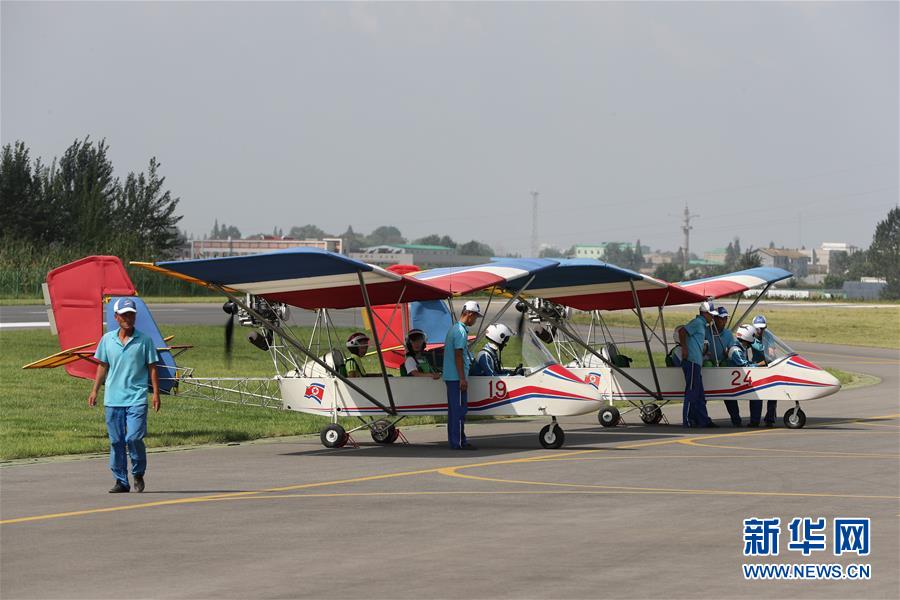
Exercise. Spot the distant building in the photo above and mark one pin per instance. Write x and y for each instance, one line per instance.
(421, 255)
(716, 256)
(784, 258)
(230, 247)
(659, 258)
(598, 251)
(823, 254)
(868, 288)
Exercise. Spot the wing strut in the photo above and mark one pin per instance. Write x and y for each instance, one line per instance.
(755, 302)
(387, 383)
(637, 305)
(290, 339)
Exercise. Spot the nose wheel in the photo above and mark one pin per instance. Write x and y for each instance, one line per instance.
(794, 418)
(552, 436)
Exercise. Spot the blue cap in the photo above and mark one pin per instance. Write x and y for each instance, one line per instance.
(759, 321)
(723, 312)
(124, 305)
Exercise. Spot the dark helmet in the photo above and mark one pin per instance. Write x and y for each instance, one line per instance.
(414, 333)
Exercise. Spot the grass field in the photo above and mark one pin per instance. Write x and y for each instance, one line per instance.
(45, 413)
(879, 327)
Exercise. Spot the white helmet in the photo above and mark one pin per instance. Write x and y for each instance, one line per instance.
(708, 307)
(746, 333)
(498, 333)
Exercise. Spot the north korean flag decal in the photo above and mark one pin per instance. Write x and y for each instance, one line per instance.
(315, 391)
(593, 378)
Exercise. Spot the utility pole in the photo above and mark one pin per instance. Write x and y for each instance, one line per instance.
(686, 228)
(534, 225)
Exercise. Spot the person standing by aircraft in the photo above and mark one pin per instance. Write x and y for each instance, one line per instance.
(740, 354)
(416, 363)
(488, 362)
(762, 353)
(127, 360)
(457, 361)
(719, 340)
(691, 337)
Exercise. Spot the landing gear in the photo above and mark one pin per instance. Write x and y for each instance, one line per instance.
(609, 416)
(552, 436)
(334, 436)
(384, 432)
(651, 414)
(794, 418)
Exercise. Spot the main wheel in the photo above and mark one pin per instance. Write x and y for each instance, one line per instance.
(383, 432)
(333, 436)
(552, 436)
(651, 414)
(609, 416)
(794, 418)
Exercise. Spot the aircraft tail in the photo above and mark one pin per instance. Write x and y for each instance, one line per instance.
(81, 296)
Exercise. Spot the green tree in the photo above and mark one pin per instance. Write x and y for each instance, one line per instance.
(223, 232)
(670, 272)
(749, 260)
(149, 212)
(22, 212)
(352, 241)
(436, 240)
(474, 248)
(386, 234)
(551, 252)
(307, 232)
(638, 257)
(82, 189)
(884, 253)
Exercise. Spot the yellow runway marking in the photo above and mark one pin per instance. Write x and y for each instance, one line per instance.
(445, 471)
(454, 472)
(806, 452)
(681, 440)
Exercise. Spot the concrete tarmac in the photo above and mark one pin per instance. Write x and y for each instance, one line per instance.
(633, 512)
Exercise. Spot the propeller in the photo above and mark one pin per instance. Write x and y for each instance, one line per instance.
(230, 308)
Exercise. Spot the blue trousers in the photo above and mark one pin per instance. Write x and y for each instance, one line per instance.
(693, 412)
(756, 411)
(457, 407)
(733, 411)
(127, 426)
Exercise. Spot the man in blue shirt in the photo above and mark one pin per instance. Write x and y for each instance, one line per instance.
(457, 361)
(691, 337)
(127, 360)
(720, 340)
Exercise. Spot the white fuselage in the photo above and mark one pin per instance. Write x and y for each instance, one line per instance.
(551, 391)
(789, 378)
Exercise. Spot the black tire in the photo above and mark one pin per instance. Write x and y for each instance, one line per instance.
(383, 432)
(333, 436)
(651, 414)
(794, 418)
(552, 436)
(609, 416)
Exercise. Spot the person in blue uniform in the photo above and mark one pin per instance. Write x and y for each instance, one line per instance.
(762, 353)
(489, 360)
(719, 340)
(126, 365)
(740, 354)
(692, 337)
(457, 362)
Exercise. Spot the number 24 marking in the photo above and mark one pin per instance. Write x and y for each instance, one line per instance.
(736, 378)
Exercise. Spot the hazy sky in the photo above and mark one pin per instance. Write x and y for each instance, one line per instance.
(774, 121)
